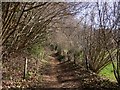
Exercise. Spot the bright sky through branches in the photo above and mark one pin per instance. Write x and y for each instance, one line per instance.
(90, 13)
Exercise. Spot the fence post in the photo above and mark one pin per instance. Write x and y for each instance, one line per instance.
(25, 68)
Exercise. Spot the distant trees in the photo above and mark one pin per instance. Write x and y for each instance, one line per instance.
(27, 23)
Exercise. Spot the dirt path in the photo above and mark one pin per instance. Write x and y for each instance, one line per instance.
(51, 80)
(60, 78)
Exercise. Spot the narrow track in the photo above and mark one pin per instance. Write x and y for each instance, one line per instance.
(59, 77)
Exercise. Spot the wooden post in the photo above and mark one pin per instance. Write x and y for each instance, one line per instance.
(25, 68)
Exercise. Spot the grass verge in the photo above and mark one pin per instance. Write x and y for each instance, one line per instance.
(108, 72)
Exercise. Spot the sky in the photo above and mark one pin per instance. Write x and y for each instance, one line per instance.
(93, 9)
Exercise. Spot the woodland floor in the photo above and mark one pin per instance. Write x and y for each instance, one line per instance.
(69, 75)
